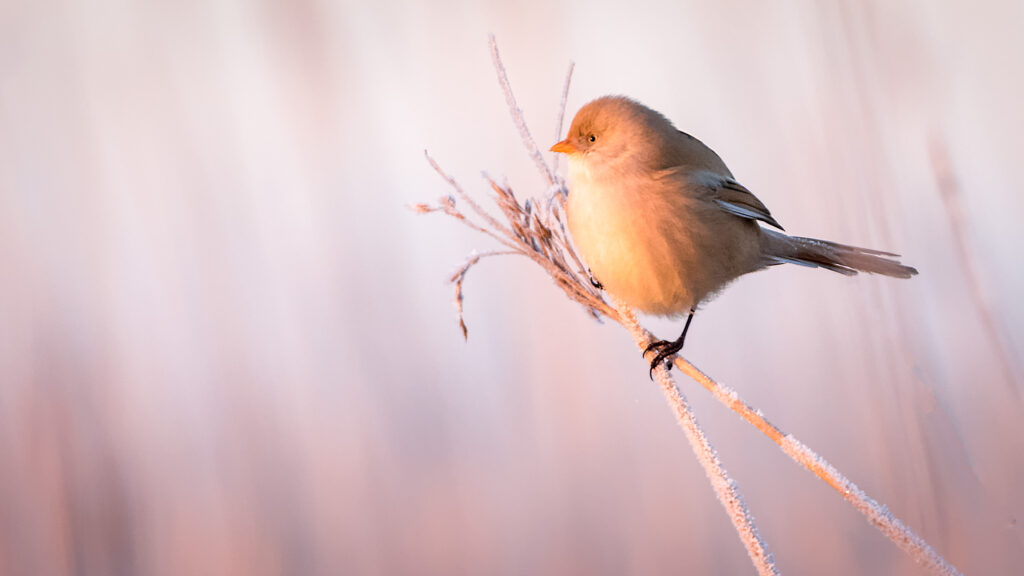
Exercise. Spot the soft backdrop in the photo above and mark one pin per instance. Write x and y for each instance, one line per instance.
(226, 346)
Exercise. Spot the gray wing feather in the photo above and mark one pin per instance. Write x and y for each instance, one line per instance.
(746, 212)
(735, 199)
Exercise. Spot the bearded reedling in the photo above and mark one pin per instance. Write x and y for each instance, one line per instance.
(664, 226)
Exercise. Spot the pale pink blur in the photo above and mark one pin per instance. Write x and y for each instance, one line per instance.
(227, 347)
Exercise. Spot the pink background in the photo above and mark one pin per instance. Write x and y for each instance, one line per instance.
(226, 346)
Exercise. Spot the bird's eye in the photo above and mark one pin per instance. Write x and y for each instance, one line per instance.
(592, 138)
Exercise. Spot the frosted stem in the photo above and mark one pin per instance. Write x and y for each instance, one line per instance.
(724, 486)
(877, 514)
(517, 116)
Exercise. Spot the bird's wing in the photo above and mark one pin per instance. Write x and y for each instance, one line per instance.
(734, 198)
(701, 166)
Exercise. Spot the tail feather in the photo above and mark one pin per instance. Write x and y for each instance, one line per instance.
(779, 248)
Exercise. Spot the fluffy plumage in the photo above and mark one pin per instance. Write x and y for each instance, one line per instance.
(662, 223)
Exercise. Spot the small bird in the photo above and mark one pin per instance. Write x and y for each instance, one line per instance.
(664, 226)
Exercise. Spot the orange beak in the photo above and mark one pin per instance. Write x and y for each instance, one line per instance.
(565, 147)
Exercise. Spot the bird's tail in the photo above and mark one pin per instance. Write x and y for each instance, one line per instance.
(778, 248)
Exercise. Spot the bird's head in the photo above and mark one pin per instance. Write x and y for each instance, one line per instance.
(615, 128)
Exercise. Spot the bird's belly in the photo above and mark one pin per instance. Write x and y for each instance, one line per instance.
(636, 246)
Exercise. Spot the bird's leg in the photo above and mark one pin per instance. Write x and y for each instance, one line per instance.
(593, 281)
(666, 348)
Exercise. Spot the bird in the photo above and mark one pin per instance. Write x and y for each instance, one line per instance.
(663, 225)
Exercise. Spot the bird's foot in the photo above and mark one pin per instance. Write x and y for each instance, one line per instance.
(595, 283)
(664, 349)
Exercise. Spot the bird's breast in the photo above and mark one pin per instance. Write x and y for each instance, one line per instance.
(631, 231)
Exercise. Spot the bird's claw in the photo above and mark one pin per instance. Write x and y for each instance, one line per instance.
(664, 349)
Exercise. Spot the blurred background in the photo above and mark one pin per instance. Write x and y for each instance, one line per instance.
(227, 346)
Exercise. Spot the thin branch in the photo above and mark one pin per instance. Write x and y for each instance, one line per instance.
(472, 204)
(460, 276)
(724, 486)
(517, 115)
(561, 119)
(876, 513)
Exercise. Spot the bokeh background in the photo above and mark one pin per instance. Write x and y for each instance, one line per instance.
(227, 347)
